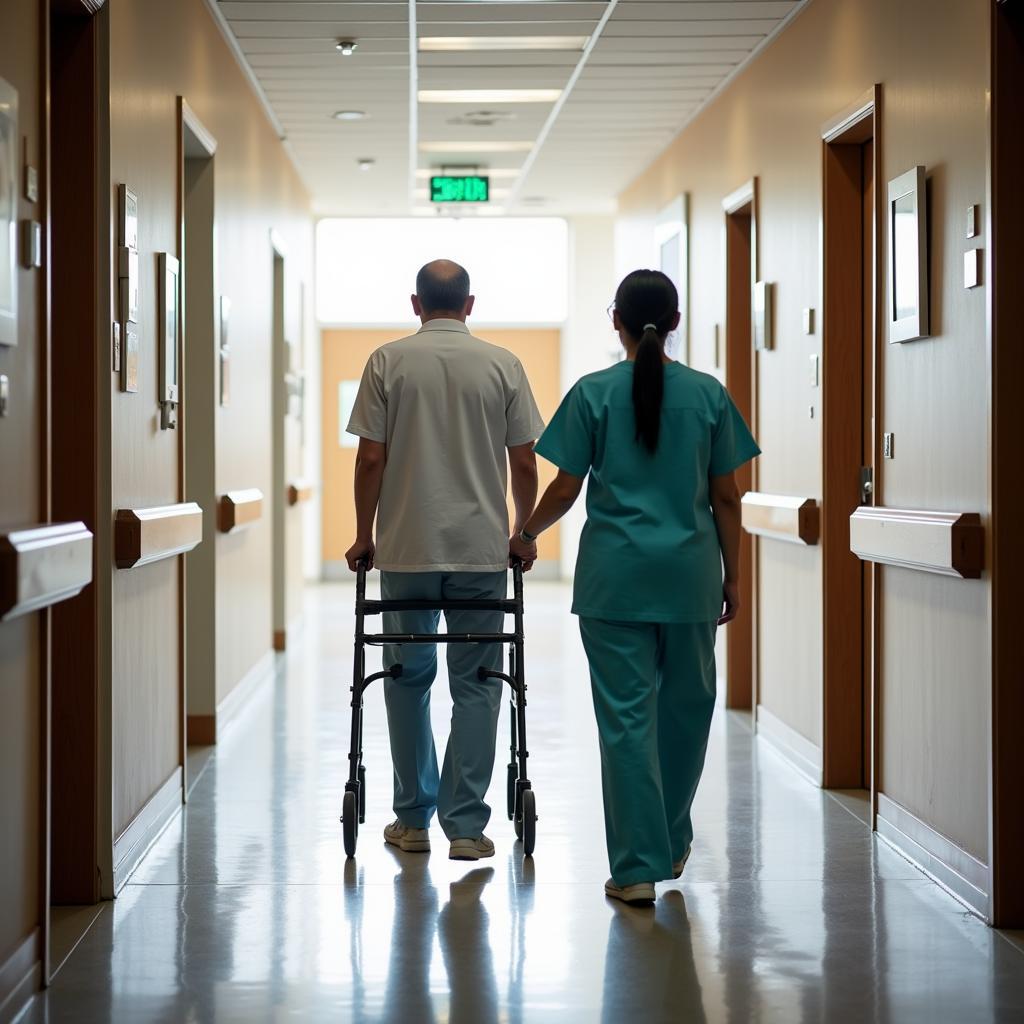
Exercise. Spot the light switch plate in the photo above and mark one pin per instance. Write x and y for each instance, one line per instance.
(808, 321)
(972, 268)
(889, 446)
(31, 244)
(972, 221)
(814, 370)
(31, 184)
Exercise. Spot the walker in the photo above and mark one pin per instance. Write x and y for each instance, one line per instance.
(519, 794)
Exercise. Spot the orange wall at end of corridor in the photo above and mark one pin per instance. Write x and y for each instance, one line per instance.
(345, 352)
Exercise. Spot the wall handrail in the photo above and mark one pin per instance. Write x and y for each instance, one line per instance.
(238, 509)
(299, 491)
(948, 543)
(144, 535)
(42, 565)
(794, 520)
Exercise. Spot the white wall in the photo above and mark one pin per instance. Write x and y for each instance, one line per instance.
(588, 341)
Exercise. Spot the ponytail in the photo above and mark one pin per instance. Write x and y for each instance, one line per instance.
(648, 388)
(647, 303)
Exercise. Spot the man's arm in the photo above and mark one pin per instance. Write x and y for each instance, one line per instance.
(370, 461)
(523, 470)
(726, 507)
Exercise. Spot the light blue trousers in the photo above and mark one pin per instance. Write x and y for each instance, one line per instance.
(458, 793)
(654, 694)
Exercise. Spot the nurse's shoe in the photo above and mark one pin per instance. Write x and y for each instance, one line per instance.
(471, 849)
(677, 868)
(639, 893)
(409, 840)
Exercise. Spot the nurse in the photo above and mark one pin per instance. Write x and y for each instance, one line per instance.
(657, 573)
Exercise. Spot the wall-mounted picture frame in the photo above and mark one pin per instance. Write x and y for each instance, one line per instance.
(224, 347)
(8, 213)
(169, 335)
(128, 253)
(672, 241)
(763, 315)
(908, 257)
(130, 359)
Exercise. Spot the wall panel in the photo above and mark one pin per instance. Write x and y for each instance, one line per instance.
(932, 61)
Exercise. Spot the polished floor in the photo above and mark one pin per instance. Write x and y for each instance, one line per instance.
(247, 910)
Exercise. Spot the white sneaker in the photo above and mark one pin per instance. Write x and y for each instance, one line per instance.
(471, 849)
(677, 867)
(641, 892)
(409, 840)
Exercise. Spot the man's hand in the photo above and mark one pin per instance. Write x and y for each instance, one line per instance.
(361, 549)
(526, 553)
(731, 602)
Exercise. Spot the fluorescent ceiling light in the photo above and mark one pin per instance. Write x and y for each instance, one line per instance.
(491, 172)
(459, 44)
(484, 96)
(475, 147)
(349, 115)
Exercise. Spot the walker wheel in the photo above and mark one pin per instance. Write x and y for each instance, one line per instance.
(527, 822)
(510, 790)
(350, 822)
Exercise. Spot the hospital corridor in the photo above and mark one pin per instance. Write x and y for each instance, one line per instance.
(510, 511)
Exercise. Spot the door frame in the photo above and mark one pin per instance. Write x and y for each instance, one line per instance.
(1003, 269)
(850, 589)
(193, 134)
(741, 636)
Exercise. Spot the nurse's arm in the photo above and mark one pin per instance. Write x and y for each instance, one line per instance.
(559, 497)
(725, 506)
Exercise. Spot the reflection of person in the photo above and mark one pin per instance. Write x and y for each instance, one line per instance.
(462, 929)
(660, 443)
(435, 414)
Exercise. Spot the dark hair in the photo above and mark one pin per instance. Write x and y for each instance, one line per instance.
(647, 302)
(442, 287)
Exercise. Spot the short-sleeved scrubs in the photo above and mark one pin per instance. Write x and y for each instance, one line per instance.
(648, 591)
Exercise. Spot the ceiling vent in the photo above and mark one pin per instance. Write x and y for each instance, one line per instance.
(482, 118)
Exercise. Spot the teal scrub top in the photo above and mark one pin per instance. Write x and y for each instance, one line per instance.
(649, 550)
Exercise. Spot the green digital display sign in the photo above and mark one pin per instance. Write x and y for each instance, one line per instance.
(459, 188)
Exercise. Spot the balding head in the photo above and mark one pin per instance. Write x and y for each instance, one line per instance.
(442, 290)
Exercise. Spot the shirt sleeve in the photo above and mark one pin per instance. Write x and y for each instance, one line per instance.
(732, 444)
(568, 441)
(523, 421)
(369, 417)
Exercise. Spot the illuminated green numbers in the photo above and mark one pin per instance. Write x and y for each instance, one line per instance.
(468, 188)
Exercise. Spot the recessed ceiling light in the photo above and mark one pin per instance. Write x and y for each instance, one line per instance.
(456, 44)
(485, 96)
(349, 115)
(346, 47)
(365, 163)
(476, 147)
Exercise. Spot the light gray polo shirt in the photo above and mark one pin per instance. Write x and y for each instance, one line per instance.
(447, 405)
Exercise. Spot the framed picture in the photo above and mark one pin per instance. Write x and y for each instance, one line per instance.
(763, 318)
(130, 359)
(169, 326)
(224, 322)
(8, 214)
(672, 239)
(908, 257)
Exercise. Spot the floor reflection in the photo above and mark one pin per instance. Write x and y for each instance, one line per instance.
(247, 910)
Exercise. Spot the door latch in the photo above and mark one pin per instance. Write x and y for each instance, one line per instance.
(867, 485)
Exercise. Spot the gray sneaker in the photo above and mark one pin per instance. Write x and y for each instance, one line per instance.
(641, 892)
(677, 867)
(471, 849)
(409, 840)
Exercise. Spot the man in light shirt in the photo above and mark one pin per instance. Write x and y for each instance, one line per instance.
(436, 414)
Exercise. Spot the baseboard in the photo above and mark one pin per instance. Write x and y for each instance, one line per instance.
(799, 751)
(957, 871)
(21, 976)
(133, 844)
(201, 730)
(230, 707)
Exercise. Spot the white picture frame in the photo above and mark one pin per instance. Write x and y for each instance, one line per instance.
(169, 326)
(907, 299)
(672, 248)
(9, 147)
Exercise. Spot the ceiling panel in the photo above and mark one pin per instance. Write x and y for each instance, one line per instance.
(654, 64)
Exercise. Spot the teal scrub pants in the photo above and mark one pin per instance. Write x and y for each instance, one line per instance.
(654, 694)
(458, 793)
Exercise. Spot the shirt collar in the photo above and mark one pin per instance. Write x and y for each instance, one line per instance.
(443, 324)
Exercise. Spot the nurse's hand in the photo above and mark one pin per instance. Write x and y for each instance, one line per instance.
(730, 602)
(526, 553)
